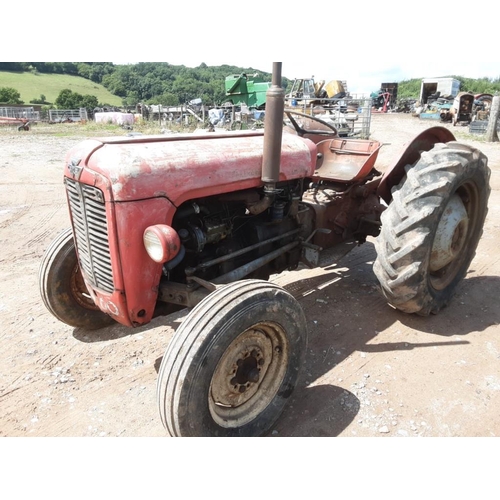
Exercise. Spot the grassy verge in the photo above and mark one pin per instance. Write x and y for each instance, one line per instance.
(89, 129)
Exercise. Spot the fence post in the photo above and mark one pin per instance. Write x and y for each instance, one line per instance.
(491, 131)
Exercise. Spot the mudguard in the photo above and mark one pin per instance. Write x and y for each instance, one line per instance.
(410, 155)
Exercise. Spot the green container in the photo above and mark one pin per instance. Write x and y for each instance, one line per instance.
(244, 89)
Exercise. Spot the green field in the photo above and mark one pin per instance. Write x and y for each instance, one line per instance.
(31, 86)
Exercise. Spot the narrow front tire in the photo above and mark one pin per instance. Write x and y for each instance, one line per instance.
(63, 289)
(233, 363)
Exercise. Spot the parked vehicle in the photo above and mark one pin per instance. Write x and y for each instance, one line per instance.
(463, 106)
(202, 221)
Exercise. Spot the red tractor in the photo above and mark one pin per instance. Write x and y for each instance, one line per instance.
(202, 221)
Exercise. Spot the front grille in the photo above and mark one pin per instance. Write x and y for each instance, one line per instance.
(88, 212)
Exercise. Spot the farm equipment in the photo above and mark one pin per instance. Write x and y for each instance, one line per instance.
(482, 106)
(306, 93)
(385, 98)
(462, 109)
(247, 90)
(22, 123)
(202, 221)
(331, 103)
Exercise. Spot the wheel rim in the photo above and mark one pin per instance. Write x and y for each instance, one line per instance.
(79, 290)
(457, 224)
(248, 375)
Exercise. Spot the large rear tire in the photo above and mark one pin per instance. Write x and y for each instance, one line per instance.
(432, 227)
(62, 288)
(233, 363)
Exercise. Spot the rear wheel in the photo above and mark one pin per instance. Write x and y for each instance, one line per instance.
(432, 227)
(62, 288)
(233, 363)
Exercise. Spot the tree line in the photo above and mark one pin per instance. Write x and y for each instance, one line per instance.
(171, 85)
(150, 83)
(410, 89)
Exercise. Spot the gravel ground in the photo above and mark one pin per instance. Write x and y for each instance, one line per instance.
(370, 371)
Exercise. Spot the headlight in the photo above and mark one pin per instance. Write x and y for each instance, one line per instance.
(161, 242)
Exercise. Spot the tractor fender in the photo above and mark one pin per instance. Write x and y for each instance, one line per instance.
(409, 156)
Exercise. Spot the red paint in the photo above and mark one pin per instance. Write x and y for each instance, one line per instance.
(201, 166)
(144, 179)
(410, 154)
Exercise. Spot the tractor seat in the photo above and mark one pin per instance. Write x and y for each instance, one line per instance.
(345, 160)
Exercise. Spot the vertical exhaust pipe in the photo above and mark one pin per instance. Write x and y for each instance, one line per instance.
(273, 130)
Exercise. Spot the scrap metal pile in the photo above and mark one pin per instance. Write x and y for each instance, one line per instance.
(463, 109)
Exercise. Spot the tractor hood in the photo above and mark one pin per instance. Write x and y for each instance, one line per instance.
(184, 166)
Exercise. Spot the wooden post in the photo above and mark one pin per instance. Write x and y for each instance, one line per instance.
(491, 131)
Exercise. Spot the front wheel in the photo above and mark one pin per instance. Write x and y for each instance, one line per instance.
(62, 288)
(432, 227)
(233, 363)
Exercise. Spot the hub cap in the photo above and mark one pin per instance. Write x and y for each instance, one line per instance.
(79, 290)
(451, 234)
(458, 222)
(248, 375)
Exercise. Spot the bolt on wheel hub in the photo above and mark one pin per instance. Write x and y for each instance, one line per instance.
(248, 375)
(451, 234)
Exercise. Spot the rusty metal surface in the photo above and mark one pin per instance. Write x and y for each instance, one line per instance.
(353, 213)
(246, 269)
(273, 126)
(153, 174)
(181, 169)
(410, 155)
(22, 123)
(135, 274)
(346, 160)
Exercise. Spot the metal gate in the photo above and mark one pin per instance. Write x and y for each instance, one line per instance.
(67, 115)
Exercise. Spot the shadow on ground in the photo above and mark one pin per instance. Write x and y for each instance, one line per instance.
(345, 312)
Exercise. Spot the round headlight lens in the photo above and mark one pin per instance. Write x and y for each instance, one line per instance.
(162, 243)
(153, 246)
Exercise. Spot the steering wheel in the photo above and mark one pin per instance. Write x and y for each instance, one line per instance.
(333, 132)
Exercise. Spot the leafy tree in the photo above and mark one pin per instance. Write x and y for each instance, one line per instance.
(41, 100)
(9, 95)
(12, 66)
(67, 99)
(89, 101)
(165, 99)
(411, 88)
(99, 70)
(131, 99)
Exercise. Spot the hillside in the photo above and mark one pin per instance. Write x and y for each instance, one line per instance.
(31, 85)
(152, 83)
(157, 83)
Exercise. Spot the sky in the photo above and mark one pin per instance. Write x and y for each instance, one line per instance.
(364, 44)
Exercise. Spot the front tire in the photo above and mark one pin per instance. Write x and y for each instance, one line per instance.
(62, 288)
(233, 362)
(432, 227)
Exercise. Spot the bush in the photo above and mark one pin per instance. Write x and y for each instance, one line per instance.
(8, 95)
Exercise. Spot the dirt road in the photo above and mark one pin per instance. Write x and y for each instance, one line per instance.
(369, 370)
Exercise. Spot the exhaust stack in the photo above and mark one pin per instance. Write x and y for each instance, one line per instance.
(273, 130)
